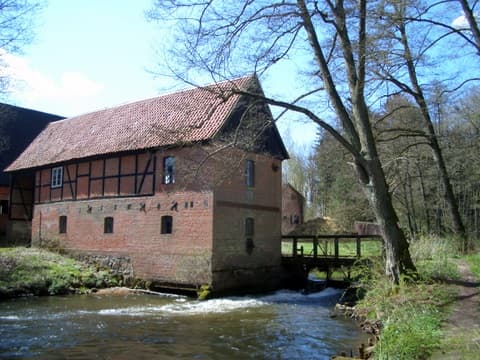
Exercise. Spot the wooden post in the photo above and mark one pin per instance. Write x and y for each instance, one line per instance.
(294, 249)
(359, 247)
(335, 242)
(315, 247)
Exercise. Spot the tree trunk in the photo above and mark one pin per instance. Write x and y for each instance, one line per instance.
(452, 203)
(457, 223)
(424, 199)
(472, 22)
(397, 255)
(412, 206)
(356, 124)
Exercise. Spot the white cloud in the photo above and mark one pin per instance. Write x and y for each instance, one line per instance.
(30, 86)
(460, 22)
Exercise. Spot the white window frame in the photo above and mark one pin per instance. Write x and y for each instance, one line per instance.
(56, 177)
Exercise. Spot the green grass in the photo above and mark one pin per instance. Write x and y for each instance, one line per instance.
(411, 314)
(473, 261)
(412, 311)
(25, 271)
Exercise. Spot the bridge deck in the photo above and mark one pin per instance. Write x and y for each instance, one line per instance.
(328, 252)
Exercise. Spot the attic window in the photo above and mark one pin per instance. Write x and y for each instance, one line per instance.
(169, 170)
(57, 177)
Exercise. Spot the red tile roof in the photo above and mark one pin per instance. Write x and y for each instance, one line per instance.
(182, 117)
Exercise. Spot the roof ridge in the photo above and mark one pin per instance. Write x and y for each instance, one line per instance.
(175, 92)
(31, 110)
(186, 116)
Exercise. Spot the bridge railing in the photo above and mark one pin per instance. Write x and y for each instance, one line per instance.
(331, 246)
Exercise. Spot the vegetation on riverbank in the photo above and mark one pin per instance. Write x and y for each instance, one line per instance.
(411, 314)
(33, 271)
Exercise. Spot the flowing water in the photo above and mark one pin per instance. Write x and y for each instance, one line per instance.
(283, 325)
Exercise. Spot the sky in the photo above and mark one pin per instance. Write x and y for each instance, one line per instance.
(88, 55)
(94, 54)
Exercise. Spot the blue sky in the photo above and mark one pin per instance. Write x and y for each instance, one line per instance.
(88, 55)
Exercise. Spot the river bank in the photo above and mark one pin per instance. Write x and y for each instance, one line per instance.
(413, 319)
(404, 321)
(33, 271)
(281, 325)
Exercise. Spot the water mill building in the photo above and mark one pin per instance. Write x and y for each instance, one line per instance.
(183, 189)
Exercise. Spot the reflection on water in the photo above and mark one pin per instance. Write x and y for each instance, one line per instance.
(284, 325)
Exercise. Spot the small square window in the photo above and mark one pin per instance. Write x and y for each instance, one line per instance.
(62, 225)
(56, 177)
(108, 225)
(167, 224)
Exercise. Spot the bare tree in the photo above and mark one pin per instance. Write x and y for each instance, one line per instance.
(219, 37)
(469, 13)
(16, 29)
(399, 65)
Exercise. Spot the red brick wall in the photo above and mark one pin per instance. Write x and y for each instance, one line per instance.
(182, 257)
(234, 202)
(208, 203)
(292, 209)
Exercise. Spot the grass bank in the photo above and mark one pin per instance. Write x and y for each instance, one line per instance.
(411, 313)
(32, 271)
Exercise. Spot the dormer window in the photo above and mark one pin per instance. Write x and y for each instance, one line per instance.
(57, 177)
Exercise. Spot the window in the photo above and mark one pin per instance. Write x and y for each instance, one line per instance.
(249, 227)
(167, 224)
(62, 224)
(57, 177)
(3, 207)
(169, 170)
(108, 225)
(250, 173)
(249, 232)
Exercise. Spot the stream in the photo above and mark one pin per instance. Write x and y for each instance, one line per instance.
(281, 325)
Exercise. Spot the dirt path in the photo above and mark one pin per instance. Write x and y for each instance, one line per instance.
(462, 329)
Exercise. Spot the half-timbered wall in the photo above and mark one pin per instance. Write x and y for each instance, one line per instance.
(118, 176)
(4, 204)
(21, 198)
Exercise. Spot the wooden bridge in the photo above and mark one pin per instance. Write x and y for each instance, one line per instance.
(303, 253)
